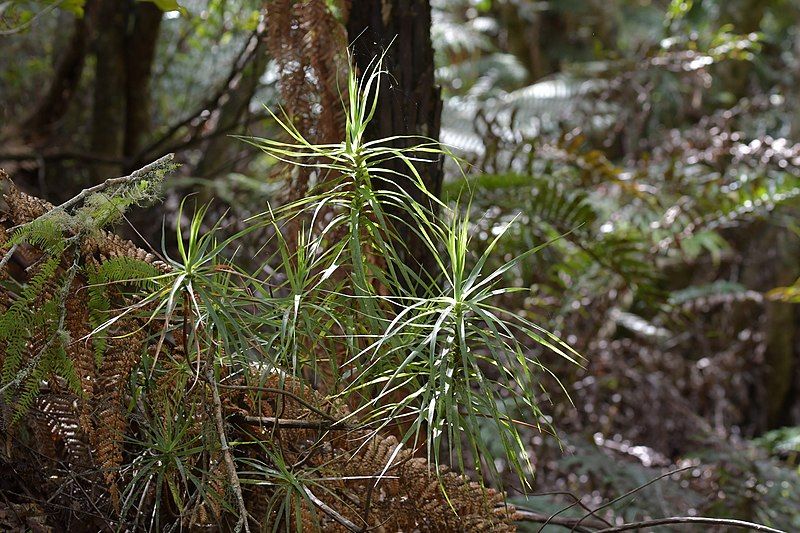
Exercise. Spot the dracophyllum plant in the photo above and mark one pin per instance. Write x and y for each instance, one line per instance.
(443, 361)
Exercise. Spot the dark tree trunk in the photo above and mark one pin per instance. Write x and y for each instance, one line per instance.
(141, 50)
(524, 38)
(110, 90)
(772, 256)
(746, 17)
(38, 126)
(781, 355)
(410, 104)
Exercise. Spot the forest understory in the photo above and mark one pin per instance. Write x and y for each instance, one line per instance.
(415, 265)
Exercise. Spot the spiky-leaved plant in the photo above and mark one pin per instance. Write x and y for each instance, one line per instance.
(212, 394)
(440, 361)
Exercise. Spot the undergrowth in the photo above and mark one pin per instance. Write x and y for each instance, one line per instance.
(189, 391)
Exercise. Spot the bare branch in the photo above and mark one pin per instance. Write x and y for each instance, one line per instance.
(539, 518)
(27, 24)
(742, 524)
(111, 182)
(233, 476)
(246, 54)
(58, 155)
(284, 392)
(299, 424)
(635, 490)
(331, 512)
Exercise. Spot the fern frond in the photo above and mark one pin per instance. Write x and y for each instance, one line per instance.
(125, 269)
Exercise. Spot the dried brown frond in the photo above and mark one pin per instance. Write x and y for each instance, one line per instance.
(400, 492)
(58, 414)
(23, 517)
(81, 352)
(107, 245)
(370, 479)
(309, 45)
(22, 207)
(122, 353)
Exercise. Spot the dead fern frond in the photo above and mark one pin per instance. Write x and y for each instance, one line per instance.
(309, 45)
(122, 353)
(371, 480)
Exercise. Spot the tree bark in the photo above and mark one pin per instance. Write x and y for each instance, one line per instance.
(410, 102)
(109, 111)
(141, 51)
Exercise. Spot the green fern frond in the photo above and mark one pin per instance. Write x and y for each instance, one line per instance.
(46, 233)
(100, 278)
(126, 269)
(15, 335)
(99, 306)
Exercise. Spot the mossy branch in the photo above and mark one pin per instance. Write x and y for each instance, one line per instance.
(159, 164)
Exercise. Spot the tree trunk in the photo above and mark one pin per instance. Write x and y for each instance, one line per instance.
(746, 17)
(410, 102)
(781, 354)
(38, 126)
(772, 261)
(109, 112)
(141, 50)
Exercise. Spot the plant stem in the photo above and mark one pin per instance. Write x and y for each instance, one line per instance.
(299, 424)
(8, 256)
(691, 520)
(233, 476)
(530, 516)
(330, 511)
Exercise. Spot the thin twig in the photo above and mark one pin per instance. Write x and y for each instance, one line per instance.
(59, 155)
(179, 146)
(233, 476)
(9, 505)
(284, 392)
(110, 182)
(122, 180)
(531, 516)
(330, 511)
(691, 520)
(294, 423)
(554, 518)
(240, 62)
(7, 256)
(27, 24)
(576, 501)
(635, 490)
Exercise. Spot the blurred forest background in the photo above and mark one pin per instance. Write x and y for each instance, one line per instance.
(658, 143)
